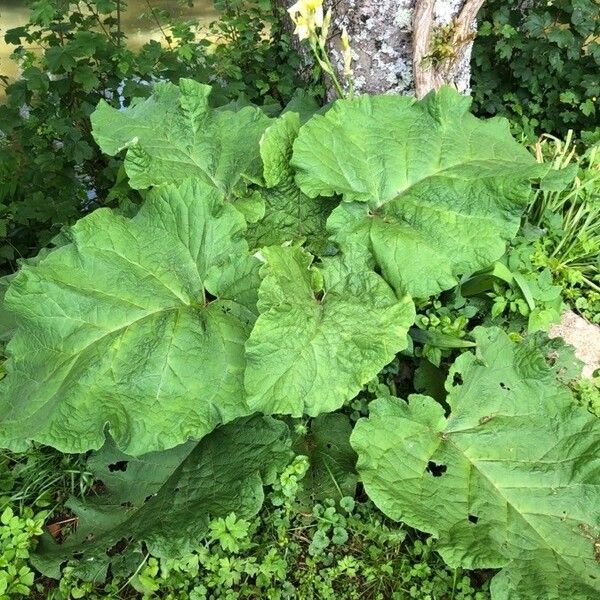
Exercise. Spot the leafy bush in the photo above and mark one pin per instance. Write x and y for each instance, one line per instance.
(252, 55)
(50, 169)
(170, 329)
(17, 537)
(587, 392)
(537, 63)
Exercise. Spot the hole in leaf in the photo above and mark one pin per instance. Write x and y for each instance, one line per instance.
(457, 379)
(78, 555)
(504, 386)
(61, 525)
(120, 465)
(473, 518)
(118, 547)
(148, 497)
(328, 444)
(435, 469)
(90, 537)
(99, 488)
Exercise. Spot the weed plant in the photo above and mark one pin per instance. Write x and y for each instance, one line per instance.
(566, 209)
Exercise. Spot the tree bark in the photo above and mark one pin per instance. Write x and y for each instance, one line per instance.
(402, 46)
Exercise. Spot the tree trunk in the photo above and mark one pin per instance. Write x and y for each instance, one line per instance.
(405, 46)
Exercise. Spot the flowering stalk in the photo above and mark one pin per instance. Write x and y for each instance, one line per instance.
(348, 72)
(313, 25)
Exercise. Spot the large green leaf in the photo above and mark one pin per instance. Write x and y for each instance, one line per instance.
(510, 479)
(332, 473)
(7, 319)
(321, 335)
(430, 191)
(138, 324)
(290, 215)
(166, 499)
(174, 135)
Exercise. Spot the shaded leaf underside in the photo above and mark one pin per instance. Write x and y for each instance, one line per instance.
(290, 215)
(165, 500)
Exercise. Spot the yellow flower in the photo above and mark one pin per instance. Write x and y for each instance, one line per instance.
(308, 16)
(302, 28)
(347, 53)
(345, 40)
(313, 4)
(325, 27)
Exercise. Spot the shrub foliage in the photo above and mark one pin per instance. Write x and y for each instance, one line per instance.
(537, 63)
